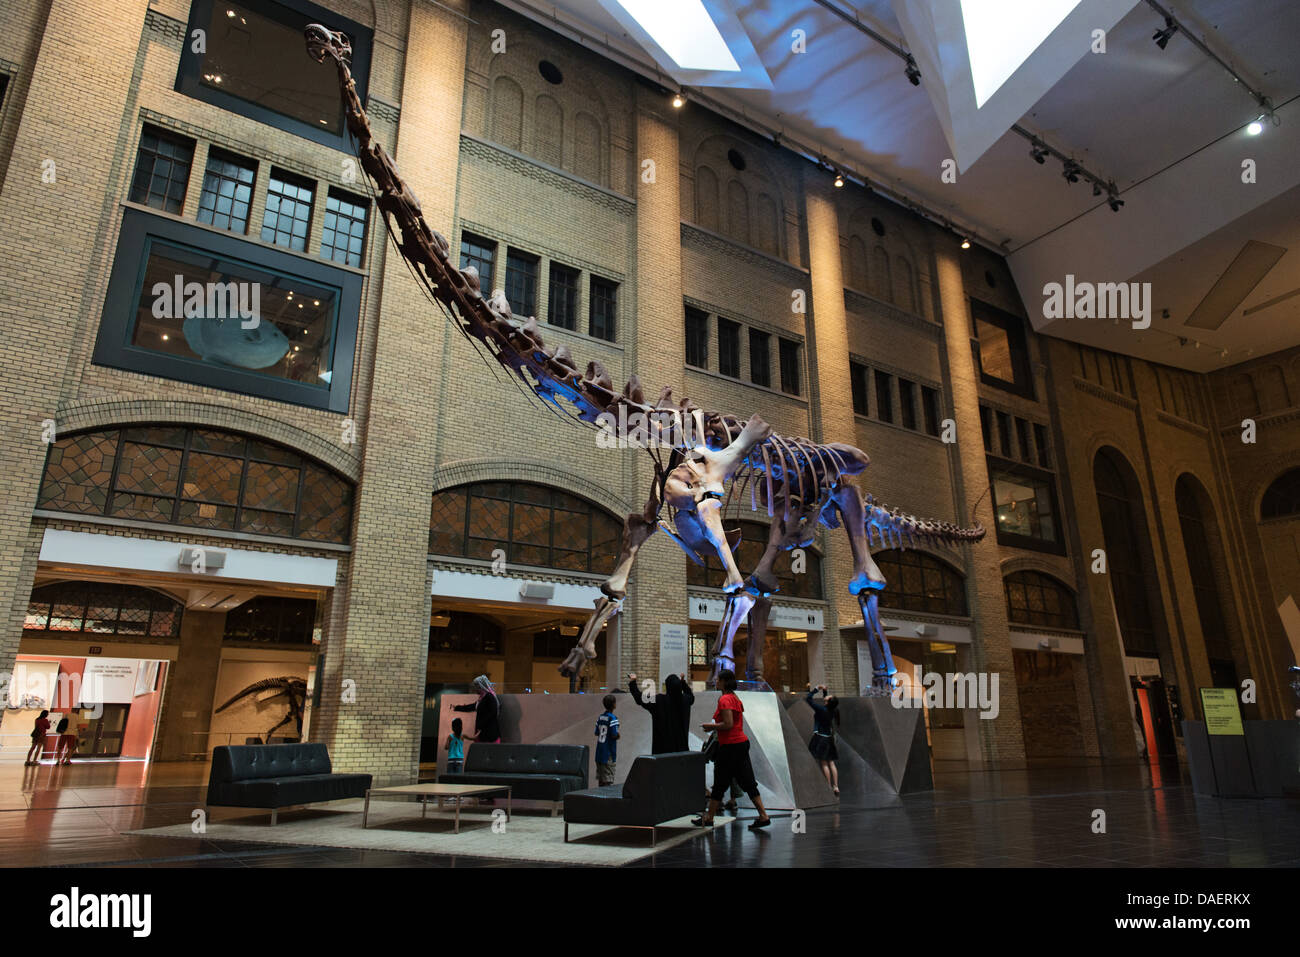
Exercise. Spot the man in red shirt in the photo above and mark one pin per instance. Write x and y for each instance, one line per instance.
(732, 759)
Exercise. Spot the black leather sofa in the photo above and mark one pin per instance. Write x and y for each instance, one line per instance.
(534, 772)
(278, 775)
(659, 788)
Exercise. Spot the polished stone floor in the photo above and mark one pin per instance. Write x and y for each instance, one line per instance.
(78, 816)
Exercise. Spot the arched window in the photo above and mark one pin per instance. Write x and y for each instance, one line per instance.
(856, 275)
(1124, 524)
(1282, 497)
(769, 230)
(706, 198)
(753, 542)
(200, 478)
(534, 525)
(1241, 393)
(102, 608)
(882, 286)
(916, 581)
(549, 131)
(588, 149)
(507, 112)
(738, 212)
(1037, 599)
(904, 293)
(1200, 538)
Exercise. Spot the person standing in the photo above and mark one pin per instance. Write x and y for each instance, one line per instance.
(455, 747)
(39, 732)
(607, 742)
(826, 716)
(670, 714)
(487, 712)
(732, 759)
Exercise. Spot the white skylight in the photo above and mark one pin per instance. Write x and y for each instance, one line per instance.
(1002, 34)
(685, 31)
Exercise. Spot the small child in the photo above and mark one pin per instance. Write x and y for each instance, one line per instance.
(455, 748)
(606, 742)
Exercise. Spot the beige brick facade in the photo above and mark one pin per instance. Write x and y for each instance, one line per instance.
(600, 174)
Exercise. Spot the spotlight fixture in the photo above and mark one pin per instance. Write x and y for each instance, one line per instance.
(1096, 190)
(679, 100)
(913, 74)
(1071, 171)
(1039, 152)
(965, 243)
(1162, 37)
(1256, 126)
(1112, 198)
(839, 180)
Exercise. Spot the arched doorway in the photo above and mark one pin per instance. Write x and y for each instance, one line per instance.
(1039, 609)
(1130, 565)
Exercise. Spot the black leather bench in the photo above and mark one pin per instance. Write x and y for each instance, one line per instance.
(659, 788)
(535, 772)
(278, 775)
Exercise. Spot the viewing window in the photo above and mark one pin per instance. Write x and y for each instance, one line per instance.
(760, 361)
(920, 582)
(227, 191)
(697, 338)
(521, 282)
(1037, 599)
(481, 254)
(162, 170)
(287, 218)
(604, 308)
(1003, 351)
(789, 367)
(343, 240)
(1025, 500)
(253, 62)
(728, 348)
(562, 302)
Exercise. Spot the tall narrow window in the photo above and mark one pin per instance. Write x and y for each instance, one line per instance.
(884, 397)
(227, 191)
(760, 362)
(1022, 439)
(562, 303)
(343, 238)
(858, 383)
(697, 338)
(521, 282)
(1004, 433)
(986, 426)
(1044, 450)
(789, 367)
(728, 348)
(604, 308)
(162, 170)
(930, 409)
(481, 254)
(288, 210)
(907, 402)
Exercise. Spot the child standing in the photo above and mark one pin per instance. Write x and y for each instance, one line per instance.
(455, 748)
(606, 742)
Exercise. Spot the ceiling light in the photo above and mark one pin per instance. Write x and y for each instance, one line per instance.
(165, 337)
(230, 13)
(1162, 36)
(1039, 152)
(839, 180)
(965, 243)
(1256, 126)
(685, 31)
(678, 101)
(913, 74)
(1071, 171)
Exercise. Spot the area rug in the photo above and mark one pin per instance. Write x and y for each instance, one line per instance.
(394, 826)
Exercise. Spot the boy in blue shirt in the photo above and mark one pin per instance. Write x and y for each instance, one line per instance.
(606, 742)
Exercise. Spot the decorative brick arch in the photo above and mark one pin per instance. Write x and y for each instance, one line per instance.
(1267, 475)
(100, 414)
(513, 470)
(1033, 563)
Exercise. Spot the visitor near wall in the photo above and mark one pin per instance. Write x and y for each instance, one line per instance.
(670, 714)
(39, 731)
(732, 759)
(487, 712)
(607, 742)
(826, 715)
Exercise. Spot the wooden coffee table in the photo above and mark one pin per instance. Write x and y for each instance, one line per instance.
(426, 791)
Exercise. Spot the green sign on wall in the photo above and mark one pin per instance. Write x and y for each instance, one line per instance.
(1222, 716)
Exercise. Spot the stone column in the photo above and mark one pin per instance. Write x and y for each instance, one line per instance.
(67, 154)
(373, 674)
(830, 401)
(1002, 739)
(191, 684)
(656, 345)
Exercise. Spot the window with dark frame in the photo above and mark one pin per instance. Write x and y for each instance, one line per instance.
(1025, 506)
(289, 200)
(728, 348)
(930, 409)
(907, 403)
(1004, 433)
(986, 426)
(790, 367)
(603, 315)
(272, 619)
(697, 338)
(1282, 497)
(103, 608)
(1037, 599)
(1202, 555)
(1044, 450)
(343, 233)
(481, 254)
(162, 170)
(858, 385)
(242, 67)
(199, 478)
(922, 583)
(760, 361)
(1123, 524)
(884, 397)
(1003, 350)
(1022, 440)
(536, 525)
(227, 191)
(562, 297)
(521, 282)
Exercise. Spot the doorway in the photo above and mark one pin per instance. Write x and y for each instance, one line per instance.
(102, 737)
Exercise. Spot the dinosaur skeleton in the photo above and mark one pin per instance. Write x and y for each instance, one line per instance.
(290, 686)
(700, 457)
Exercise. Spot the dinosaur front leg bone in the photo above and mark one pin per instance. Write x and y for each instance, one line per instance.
(724, 656)
(585, 649)
(757, 637)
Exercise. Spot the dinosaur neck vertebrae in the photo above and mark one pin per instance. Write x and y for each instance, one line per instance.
(700, 457)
